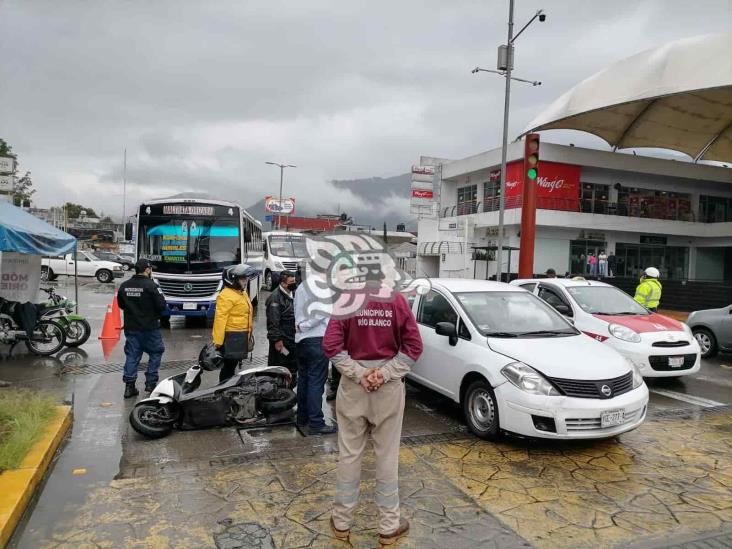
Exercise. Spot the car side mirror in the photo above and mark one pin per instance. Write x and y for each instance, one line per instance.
(563, 309)
(447, 329)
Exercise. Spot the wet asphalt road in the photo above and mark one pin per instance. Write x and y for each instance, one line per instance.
(104, 445)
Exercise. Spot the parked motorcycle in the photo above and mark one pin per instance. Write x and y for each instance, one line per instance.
(253, 396)
(20, 322)
(62, 310)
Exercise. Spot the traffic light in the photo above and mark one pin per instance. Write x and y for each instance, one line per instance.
(531, 156)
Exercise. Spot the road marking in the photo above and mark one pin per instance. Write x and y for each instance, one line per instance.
(707, 379)
(690, 399)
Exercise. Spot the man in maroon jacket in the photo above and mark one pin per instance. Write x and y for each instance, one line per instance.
(374, 349)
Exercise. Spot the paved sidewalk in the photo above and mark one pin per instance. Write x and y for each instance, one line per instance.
(670, 478)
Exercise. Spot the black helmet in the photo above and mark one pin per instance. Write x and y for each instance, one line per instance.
(235, 272)
(209, 358)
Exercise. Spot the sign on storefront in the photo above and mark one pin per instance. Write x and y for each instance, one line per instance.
(558, 186)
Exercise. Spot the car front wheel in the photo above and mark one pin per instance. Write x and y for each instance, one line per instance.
(104, 276)
(707, 342)
(481, 410)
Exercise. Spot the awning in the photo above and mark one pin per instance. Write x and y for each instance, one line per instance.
(21, 232)
(678, 97)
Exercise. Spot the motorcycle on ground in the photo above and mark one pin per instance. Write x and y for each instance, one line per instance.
(61, 309)
(21, 322)
(253, 396)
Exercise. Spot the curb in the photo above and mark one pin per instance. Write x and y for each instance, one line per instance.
(17, 486)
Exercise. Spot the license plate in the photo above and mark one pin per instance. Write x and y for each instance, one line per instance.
(675, 361)
(190, 306)
(612, 417)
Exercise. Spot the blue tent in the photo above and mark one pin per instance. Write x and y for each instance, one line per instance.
(21, 232)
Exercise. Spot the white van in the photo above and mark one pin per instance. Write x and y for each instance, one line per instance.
(282, 251)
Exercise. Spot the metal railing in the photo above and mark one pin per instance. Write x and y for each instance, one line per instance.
(570, 205)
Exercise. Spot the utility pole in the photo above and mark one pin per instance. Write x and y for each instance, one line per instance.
(124, 188)
(282, 176)
(505, 69)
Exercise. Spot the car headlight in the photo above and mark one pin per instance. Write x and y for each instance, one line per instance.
(529, 380)
(117, 268)
(279, 265)
(624, 333)
(637, 376)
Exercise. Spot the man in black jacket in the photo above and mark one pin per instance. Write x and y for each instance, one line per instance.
(281, 325)
(143, 303)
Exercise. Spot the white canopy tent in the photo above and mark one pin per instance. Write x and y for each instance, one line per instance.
(678, 97)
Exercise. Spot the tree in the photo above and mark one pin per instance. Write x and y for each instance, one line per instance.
(73, 211)
(23, 189)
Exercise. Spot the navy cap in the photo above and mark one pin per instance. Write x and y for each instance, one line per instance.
(142, 264)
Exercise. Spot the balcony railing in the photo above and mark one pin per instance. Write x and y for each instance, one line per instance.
(570, 205)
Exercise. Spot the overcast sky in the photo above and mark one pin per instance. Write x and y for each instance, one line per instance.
(203, 93)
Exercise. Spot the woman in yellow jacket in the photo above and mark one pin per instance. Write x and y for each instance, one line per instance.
(234, 321)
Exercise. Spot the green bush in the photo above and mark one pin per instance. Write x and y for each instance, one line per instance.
(24, 415)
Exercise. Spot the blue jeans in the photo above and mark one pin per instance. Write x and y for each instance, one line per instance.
(312, 370)
(136, 343)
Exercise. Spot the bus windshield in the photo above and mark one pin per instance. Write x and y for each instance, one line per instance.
(190, 244)
(288, 246)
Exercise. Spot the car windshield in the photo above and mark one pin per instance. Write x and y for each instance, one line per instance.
(513, 314)
(288, 246)
(605, 300)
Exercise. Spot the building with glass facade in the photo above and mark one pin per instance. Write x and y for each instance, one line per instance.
(636, 210)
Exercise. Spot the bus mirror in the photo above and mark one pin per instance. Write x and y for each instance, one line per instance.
(128, 231)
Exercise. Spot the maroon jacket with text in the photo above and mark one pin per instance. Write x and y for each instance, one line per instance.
(381, 330)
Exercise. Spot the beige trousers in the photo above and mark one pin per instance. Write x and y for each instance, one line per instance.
(359, 413)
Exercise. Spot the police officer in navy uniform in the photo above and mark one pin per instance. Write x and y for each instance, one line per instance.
(143, 304)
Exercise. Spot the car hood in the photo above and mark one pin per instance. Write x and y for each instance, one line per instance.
(574, 357)
(644, 323)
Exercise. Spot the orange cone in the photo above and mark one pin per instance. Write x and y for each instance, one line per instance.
(116, 313)
(108, 346)
(109, 330)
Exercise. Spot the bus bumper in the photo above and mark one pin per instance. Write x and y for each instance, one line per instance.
(182, 308)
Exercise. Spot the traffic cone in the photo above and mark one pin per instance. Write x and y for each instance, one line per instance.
(109, 330)
(108, 346)
(116, 313)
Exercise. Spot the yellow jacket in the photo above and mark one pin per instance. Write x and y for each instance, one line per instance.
(234, 313)
(648, 293)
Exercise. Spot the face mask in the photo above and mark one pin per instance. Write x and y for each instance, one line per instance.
(292, 287)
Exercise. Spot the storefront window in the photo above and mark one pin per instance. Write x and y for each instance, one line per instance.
(633, 259)
(467, 200)
(652, 204)
(715, 209)
(580, 252)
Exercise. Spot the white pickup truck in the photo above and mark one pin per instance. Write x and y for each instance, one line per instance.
(87, 264)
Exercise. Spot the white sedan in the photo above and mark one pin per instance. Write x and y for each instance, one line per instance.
(514, 364)
(659, 346)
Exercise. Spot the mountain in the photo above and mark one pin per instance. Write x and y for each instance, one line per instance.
(376, 193)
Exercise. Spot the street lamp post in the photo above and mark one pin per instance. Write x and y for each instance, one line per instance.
(282, 176)
(505, 68)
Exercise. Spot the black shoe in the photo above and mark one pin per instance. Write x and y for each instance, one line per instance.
(150, 387)
(131, 390)
(325, 430)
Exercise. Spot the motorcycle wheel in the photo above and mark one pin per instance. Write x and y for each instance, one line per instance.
(52, 340)
(277, 401)
(77, 332)
(145, 419)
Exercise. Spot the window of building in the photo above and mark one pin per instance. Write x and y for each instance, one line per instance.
(715, 209)
(491, 196)
(594, 198)
(467, 199)
(636, 202)
(633, 259)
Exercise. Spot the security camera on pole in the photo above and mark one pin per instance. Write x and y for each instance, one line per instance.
(505, 67)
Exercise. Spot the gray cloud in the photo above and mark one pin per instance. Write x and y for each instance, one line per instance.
(202, 94)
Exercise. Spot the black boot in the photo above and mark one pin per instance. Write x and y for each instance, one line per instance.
(150, 387)
(131, 390)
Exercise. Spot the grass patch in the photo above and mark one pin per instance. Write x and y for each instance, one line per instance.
(24, 416)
